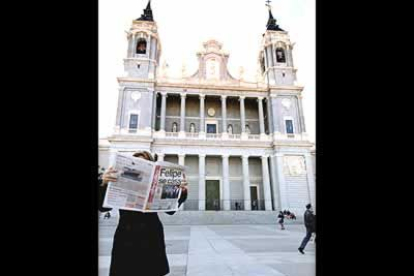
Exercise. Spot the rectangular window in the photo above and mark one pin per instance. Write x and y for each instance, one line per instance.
(211, 128)
(133, 121)
(289, 126)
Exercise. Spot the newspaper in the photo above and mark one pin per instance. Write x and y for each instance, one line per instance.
(145, 186)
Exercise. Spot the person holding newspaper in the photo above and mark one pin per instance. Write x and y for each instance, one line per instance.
(139, 244)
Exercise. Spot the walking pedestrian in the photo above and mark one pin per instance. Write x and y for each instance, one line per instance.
(309, 219)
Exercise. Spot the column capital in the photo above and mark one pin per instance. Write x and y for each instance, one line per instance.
(265, 157)
(223, 97)
(160, 154)
(242, 98)
(245, 156)
(183, 95)
(225, 156)
(181, 154)
(202, 96)
(164, 94)
(202, 155)
(260, 98)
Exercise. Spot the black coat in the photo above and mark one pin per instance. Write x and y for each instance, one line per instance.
(310, 221)
(138, 245)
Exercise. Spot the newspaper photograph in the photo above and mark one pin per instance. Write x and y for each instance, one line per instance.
(145, 186)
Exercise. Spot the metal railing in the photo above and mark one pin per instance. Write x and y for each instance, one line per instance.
(191, 134)
(213, 135)
(254, 136)
(234, 136)
(196, 135)
(218, 205)
(171, 134)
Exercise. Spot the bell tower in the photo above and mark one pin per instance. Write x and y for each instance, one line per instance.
(275, 57)
(144, 48)
(137, 97)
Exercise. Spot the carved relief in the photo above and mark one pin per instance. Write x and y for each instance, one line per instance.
(135, 96)
(294, 165)
(286, 103)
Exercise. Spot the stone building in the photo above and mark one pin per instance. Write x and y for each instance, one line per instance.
(244, 143)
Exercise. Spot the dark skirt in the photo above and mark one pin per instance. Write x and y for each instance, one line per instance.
(139, 246)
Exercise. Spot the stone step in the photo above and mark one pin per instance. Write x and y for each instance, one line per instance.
(214, 217)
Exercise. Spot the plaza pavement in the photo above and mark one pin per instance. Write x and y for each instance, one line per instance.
(226, 250)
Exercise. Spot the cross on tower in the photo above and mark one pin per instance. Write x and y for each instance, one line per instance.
(268, 2)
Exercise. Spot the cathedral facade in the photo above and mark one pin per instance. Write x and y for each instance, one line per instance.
(244, 144)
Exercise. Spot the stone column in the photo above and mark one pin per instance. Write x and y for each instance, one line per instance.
(261, 118)
(134, 45)
(224, 116)
(266, 184)
(273, 51)
(275, 116)
(163, 110)
(182, 116)
(269, 115)
(160, 157)
(226, 183)
(310, 178)
(149, 48)
(154, 110)
(301, 117)
(181, 161)
(242, 118)
(284, 203)
(275, 185)
(130, 45)
(201, 182)
(119, 114)
(202, 117)
(289, 54)
(246, 183)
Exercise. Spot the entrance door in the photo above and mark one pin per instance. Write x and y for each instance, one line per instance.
(254, 198)
(212, 195)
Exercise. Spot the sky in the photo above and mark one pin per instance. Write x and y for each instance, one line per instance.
(184, 25)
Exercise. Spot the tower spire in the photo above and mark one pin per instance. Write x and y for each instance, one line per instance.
(147, 16)
(271, 23)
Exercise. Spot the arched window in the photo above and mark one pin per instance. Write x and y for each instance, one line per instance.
(141, 46)
(174, 127)
(192, 127)
(230, 129)
(248, 129)
(280, 55)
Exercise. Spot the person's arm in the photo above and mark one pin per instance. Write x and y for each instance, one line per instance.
(103, 186)
(101, 196)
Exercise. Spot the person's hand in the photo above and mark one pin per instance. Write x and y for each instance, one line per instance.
(109, 176)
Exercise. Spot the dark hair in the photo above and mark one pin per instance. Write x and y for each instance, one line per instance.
(308, 206)
(146, 155)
